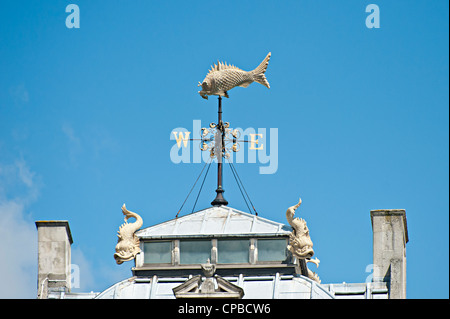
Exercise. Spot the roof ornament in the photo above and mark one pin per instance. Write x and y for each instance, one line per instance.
(220, 79)
(128, 243)
(300, 244)
(208, 269)
(210, 286)
(223, 77)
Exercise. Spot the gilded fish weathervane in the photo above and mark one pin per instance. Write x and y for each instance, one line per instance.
(223, 77)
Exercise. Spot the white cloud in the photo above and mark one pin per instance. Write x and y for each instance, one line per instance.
(20, 94)
(19, 187)
(74, 143)
(93, 143)
(102, 141)
(82, 276)
(26, 176)
(18, 238)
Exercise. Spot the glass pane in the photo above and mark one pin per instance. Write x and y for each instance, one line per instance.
(233, 251)
(158, 252)
(195, 251)
(272, 249)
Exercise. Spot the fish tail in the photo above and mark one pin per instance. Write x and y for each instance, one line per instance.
(258, 73)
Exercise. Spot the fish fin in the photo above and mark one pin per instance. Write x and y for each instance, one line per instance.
(220, 66)
(245, 84)
(258, 73)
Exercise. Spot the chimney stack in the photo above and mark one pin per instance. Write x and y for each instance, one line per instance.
(390, 235)
(54, 240)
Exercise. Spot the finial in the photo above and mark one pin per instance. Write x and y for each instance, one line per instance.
(208, 269)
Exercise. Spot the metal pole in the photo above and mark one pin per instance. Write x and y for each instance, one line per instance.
(219, 200)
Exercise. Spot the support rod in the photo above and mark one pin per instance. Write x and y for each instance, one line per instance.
(220, 200)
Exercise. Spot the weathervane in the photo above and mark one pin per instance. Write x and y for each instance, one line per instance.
(219, 80)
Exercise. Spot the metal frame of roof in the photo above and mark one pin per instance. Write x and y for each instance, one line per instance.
(217, 221)
(256, 287)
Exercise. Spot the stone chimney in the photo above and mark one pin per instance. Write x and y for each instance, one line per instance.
(54, 240)
(390, 235)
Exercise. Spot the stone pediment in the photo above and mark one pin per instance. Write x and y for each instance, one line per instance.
(209, 286)
(213, 287)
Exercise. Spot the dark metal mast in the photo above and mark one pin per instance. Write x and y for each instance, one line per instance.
(220, 148)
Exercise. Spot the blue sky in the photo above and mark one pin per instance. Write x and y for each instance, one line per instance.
(86, 117)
